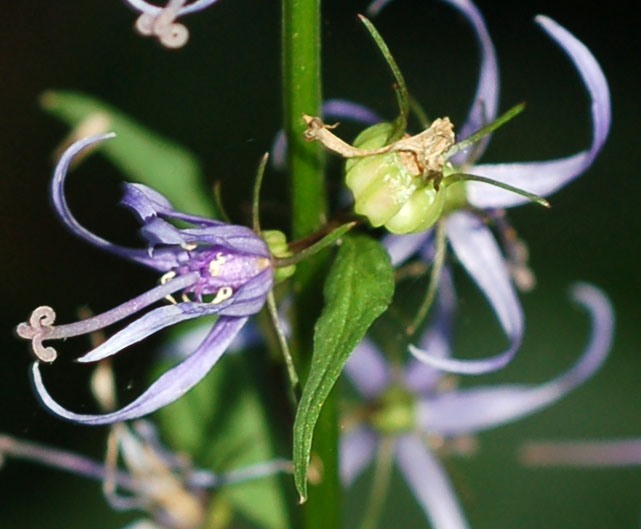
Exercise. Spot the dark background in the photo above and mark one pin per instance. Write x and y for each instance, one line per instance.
(220, 97)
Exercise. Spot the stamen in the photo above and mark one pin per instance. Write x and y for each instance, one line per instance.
(41, 320)
(170, 33)
(165, 278)
(214, 266)
(40, 326)
(223, 294)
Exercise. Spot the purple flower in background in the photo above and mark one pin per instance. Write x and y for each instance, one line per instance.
(219, 268)
(582, 453)
(154, 479)
(469, 237)
(160, 22)
(404, 405)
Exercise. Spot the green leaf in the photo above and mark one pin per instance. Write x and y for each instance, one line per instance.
(143, 155)
(358, 289)
(221, 424)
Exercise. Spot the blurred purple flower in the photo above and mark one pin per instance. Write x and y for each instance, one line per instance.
(407, 405)
(582, 453)
(156, 480)
(161, 22)
(219, 268)
(469, 237)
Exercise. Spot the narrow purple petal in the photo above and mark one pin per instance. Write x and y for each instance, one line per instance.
(606, 453)
(60, 459)
(157, 231)
(250, 298)
(375, 7)
(332, 109)
(145, 7)
(247, 300)
(343, 109)
(235, 238)
(146, 202)
(401, 247)
(468, 411)
(204, 479)
(162, 262)
(196, 6)
(429, 483)
(479, 254)
(420, 377)
(357, 449)
(486, 99)
(367, 369)
(169, 387)
(544, 178)
(148, 324)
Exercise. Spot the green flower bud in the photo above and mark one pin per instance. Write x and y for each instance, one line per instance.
(394, 412)
(277, 244)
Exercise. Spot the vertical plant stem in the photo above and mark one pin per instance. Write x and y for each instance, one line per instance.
(380, 485)
(302, 95)
(301, 65)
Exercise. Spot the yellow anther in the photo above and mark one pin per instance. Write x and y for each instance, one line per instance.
(264, 262)
(224, 293)
(215, 265)
(189, 246)
(165, 278)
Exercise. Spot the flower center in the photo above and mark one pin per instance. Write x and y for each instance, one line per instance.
(394, 411)
(220, 271)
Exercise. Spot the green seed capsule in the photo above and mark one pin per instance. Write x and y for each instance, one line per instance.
(389, 188)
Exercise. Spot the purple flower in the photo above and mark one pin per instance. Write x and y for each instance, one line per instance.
(219, 269)
(161, 22)
(469, 237)
(601, 453)
(406, 406)
(156, 480)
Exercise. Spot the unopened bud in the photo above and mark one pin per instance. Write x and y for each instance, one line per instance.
(277, 244)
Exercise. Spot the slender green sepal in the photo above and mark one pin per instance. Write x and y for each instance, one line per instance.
(402, 96)
(488, 129)
(464, 177)
(308, 252)
(419, 112)
(218, 200)
(256, 197)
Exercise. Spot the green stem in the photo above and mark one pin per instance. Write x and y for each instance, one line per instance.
(382, 475)
(284, 347)
(302, 95)
(435, 278)
(301, 67)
